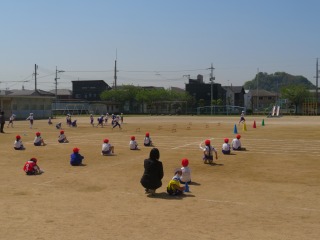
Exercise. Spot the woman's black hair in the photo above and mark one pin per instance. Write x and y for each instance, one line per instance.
(154, 154)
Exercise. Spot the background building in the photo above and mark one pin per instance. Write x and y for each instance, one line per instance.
(89, 90)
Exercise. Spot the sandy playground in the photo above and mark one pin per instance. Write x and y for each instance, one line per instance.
(270, 191)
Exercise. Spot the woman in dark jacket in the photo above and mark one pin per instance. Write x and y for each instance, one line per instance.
(153, 172)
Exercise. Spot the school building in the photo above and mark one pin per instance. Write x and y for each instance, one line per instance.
(23, 102)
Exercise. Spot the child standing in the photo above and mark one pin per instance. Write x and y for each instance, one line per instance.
(106, 119)
(107, 148)
(174, 187)
(91, 120)
(207, 150)
(76, 158)
(30, 118)
(100, 121)
(31, 167)
(49, 121)
(116, 122)
(38, 140)
(18, 143)
(133, 144)
(11, 120)
(147, 140)
(236, 143)
(226, 146)
(62, 138)
(186, 172)
(242, 119)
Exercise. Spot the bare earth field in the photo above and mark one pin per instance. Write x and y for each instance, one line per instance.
(270, 191)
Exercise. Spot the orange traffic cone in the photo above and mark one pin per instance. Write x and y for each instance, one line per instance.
(254, 124)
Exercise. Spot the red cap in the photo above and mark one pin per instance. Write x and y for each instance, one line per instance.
(147, 134)
(18, 137)
(238, 136)
(207, 142)
(33, 160)
(106, 140)
(133, 138)
(185, 162)
(76, 150)
(226, 140)
(61, 132)
(38, 133)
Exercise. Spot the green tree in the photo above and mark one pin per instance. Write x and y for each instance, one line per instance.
(275, 81)
(121, 95)
(296, 94)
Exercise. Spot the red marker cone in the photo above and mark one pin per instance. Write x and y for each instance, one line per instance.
(254, 124)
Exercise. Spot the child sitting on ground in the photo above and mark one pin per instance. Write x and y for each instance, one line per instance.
(174, 187)
(38, 141)
(76, 158)
(31, 167)
(133, 143)
(58, 125)
(18, 143)
(62, 137)
(186, 172)
(207, 152)
(226, 146)
(107, 148)
(147, 140)
(236, 143)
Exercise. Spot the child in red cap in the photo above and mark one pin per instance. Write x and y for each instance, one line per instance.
(207, 152)
(38, 141)
(76, 158)
(236, 143)
(133, 143)
(226, 146)
(107, 148)
(174, 187)
(147, 140)
(62, 137)
(31, 167)
(186, 172)
(18, 143)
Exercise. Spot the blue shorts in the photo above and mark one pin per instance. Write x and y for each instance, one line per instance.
(226, 152)
(37, 144)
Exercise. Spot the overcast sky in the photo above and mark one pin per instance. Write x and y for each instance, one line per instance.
(156, 42)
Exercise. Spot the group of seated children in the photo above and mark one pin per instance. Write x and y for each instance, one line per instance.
(181, 175)
(235, 145)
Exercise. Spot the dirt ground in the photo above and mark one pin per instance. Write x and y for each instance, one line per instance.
(270, 191)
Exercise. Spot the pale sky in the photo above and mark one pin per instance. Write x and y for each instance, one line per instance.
(156, 43)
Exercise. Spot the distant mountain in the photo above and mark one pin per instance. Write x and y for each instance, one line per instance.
(274, 82)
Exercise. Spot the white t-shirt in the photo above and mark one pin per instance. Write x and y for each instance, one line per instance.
(186, 174)
(236, 143)
(147, 140)
(106, 147)
(208, 150)
(133, 144)
(61, 137)
(226, 146)
(17, 144)
(37, 139)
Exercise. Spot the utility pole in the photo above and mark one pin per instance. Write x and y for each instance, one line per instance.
(35, 76)
(56, 88)
(257, 89)
(211, 80)
(115, 74)
(115, 70)
(317, 87)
